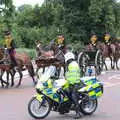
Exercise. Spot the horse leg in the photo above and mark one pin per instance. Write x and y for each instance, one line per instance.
(105, 64)
(112, 62)
(58, 72)
(21, 75)
(32, 73)
(61, 72)
(116, 61)
(2, 81)
(36, 71)
(38, 74)
(7, 79)
(43, 69)
(12, 73)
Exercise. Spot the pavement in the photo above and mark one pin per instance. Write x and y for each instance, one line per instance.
(14, 101)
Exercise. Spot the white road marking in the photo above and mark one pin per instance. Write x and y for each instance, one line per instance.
(112, 85)
(114, 77)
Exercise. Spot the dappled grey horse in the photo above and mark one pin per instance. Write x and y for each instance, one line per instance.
(51, 51)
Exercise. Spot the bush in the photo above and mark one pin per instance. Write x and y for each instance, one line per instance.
(30, 52)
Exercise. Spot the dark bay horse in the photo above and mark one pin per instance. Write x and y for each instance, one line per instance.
(111, 51)
(108, 51)
(116, 55)
(22, 60)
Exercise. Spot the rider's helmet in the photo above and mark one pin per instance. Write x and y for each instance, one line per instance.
(69, 56)
(7, 32)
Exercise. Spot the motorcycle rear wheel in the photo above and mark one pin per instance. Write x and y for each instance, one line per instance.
(88, 107)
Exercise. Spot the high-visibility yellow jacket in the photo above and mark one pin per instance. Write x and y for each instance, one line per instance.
(73, 73)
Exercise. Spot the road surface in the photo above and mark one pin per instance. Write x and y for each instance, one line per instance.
(14, 101)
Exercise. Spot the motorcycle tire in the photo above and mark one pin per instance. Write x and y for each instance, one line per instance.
(88, 107)
(34, 108)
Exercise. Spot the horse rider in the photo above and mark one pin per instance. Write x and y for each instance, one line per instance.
(10, 45)
(93, 39)
(60, 41)
(107, 39)
(93, 43)
(72, 75)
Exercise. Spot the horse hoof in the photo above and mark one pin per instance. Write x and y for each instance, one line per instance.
(35, 82)
(6, 86)
(2, 86)
(17, 86)
(12, 85)
(112, 67)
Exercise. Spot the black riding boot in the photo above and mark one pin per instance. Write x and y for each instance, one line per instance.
(75, 100)
(78, 114)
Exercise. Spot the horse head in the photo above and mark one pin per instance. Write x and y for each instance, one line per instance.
(4, 53)
(38, 49)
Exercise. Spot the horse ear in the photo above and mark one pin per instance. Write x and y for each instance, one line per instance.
(36, 42)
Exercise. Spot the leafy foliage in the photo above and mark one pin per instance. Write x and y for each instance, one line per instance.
(75, 19)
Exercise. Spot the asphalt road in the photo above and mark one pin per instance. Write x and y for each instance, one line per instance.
(14, 101)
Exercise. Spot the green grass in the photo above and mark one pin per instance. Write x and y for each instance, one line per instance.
(30, 52)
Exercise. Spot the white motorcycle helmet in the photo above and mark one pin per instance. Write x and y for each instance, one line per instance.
(68, 56)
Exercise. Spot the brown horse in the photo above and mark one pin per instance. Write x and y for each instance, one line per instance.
(22, 60)
(111, 51)
(116, 55)
(107, 52)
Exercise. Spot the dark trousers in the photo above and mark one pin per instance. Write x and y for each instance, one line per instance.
(74, 96)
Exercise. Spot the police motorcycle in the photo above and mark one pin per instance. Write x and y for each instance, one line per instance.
(52, 96)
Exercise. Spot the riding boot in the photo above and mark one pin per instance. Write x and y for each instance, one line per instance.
(78, 114)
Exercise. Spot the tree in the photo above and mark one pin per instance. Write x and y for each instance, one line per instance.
(7, 10)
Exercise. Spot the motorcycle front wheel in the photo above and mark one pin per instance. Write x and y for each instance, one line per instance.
(39, 109)
(89, 106)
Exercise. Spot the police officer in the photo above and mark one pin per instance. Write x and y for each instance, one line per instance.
(72, 75)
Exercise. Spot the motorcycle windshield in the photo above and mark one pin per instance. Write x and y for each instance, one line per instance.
(49, 72)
